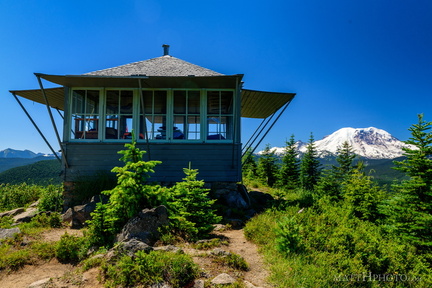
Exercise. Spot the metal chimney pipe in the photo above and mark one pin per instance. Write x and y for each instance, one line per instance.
(166, 49)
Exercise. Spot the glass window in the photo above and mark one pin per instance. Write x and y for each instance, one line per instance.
(119, 114)
(187, 115)
(219, 115)
(85, 114)
(153, 120)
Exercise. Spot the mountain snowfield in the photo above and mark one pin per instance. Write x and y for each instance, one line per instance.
(372, 143)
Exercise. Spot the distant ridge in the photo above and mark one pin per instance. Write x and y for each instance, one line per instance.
(12, 153)
(370, 143)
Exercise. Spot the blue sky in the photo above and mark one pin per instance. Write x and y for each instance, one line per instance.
(351, 63)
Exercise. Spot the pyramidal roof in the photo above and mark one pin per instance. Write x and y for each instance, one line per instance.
(166, 65)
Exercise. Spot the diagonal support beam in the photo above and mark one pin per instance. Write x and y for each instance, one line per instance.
(35, 125)
(268, 130)
(38, 76)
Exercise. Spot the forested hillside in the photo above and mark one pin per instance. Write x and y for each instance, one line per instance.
(40, 173)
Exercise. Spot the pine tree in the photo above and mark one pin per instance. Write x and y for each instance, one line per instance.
(345, 158)
(249, 165)
(290, 170)
(267, 167)
(412, 206)
(310, 166)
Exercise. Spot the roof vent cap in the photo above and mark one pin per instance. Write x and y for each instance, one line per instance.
(166, 49)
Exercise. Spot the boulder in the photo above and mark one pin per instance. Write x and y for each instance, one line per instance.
(223, 279)
(8, 233)
(12, 212)
(40, 283)
(26, 216)
(145, 226)
(78, 215)
(169, 248)
(131, 246)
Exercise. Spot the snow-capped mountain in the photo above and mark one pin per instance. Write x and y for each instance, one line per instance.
(372, 143)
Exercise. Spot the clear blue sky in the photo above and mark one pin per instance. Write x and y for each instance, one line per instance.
(352, 63)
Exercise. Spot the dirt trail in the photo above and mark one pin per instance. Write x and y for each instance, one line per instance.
(238, 244)
(62, 274)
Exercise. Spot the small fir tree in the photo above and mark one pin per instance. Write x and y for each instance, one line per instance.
(191, 209)
(249, 165)
(310, 166)
(267, 166)
(330, 183)
(290, 170)
(129, 196)
(412, 206)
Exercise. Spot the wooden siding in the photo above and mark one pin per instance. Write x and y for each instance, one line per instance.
(216, 162)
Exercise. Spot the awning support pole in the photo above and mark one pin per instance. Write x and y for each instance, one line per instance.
(257, 132)
(144, 119)
(35, 125)
(268, 130)
(52, 118)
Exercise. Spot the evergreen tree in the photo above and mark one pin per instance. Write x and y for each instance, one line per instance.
(412, 206)
(310, 166)
(330, 183)
(249, 165)
(191, 209)
(345, 158)
(267, 166)
(290, 170)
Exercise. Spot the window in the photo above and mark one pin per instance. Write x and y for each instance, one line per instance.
(187, 115)
(154, 119)
(119, 114)
(85, 114)
(157, 115)
(219, 115)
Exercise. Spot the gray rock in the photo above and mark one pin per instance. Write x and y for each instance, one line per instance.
(198, 284)
(12, 212)
(81, 214)
(129, 247)
(249, 285)
(26, 216)
(145, 226)
(169, 248)
(223, 279)
(68, 216)
(40, 283)
(220, 252)
(8, 233)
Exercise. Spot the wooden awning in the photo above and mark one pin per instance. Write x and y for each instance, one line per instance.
(55, 96)
(261, 104)
(254, 104)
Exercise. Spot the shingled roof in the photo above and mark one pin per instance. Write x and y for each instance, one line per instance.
(161, 66)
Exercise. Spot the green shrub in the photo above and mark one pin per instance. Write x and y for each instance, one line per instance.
(288, 236)
(234, 261)
(16, 196)
(51, 199)
(71, 248)
(205, 245)
(144, 270)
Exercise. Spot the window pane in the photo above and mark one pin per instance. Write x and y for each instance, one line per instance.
(194, 102)
(179, 102)
(213, 102)
(226, 100)
(154, 122)
(126, 101)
